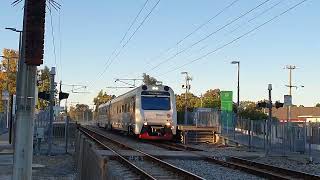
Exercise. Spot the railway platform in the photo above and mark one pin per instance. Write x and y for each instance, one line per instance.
(197, 134)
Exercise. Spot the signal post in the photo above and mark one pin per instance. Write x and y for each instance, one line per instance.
(32, 45)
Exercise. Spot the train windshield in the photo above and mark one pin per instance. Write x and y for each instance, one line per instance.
(155, 103)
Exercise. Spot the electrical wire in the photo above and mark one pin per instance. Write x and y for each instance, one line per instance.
(126, 33)
(209, 35)
(236, 39)
(123, 46)
(192, 32)
(53, 39)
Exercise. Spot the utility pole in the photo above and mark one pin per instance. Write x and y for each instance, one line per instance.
(268, 124)
(238, 96)
(187, 88)
(290, 86)
(52, 91)
(31, 56)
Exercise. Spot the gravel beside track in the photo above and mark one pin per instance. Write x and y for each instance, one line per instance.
(296, 162)
(293, 164)
(119, 171)
(211, 171)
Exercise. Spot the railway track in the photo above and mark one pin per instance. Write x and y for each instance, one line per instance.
(248, 166)
(149, 167)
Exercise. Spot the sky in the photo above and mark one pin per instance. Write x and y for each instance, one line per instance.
(81, 37)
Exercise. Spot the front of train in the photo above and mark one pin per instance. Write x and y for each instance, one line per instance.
(157, 112)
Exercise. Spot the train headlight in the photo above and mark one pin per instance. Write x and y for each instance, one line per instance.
(172, 127)
(155, 88)
(145, 123)
(168, 124)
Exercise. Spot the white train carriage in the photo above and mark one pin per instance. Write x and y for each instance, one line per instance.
(147, 111)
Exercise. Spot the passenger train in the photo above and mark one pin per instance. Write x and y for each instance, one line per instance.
(148, 112)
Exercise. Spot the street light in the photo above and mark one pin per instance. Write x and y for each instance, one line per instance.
(13, 29)
(238, 92)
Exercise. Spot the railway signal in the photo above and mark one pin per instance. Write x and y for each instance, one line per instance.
(278, 104)
(44, 95)
(63, 95)
(34, 31)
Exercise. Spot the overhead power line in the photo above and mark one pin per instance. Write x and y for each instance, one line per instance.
(209, 35)
(236, 39)
(126, 33)
(53, 38)
(193, 31)
(125, 44)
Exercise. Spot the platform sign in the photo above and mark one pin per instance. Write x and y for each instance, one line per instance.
(287, 100)
(226, 101)
(226, 109)
(5, 95)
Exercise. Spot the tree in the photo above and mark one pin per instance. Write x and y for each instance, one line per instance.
(148, 80)
(80, 112)
(102, 98)
(43, 85)
(8, 72)
(211, 99)
(248, 110)
(192, 102)
(318, 105)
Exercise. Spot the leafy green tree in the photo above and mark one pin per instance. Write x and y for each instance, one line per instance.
(211, 99)
(101, 98)
(148, 80)
(192, 102)
(248, 110)
(80, 112)
(318, 105)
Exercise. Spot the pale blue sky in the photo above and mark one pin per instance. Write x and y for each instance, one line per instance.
(90, 31)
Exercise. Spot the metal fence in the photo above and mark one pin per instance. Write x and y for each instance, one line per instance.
(277, 137)
(63, 133)
(210, 118)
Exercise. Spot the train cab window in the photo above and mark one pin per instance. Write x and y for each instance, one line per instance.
(155, 103)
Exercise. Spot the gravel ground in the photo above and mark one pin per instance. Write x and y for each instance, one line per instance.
(294, 164)
(294, 161)
(211, 171)
(55, 167)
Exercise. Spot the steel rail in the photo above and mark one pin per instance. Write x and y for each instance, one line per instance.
(170, 167)
(274, 169)
(252, 167)
(136, 169)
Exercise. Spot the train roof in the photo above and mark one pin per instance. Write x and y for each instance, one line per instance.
(129, 93)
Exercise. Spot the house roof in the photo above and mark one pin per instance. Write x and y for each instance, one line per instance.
(296, 112)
